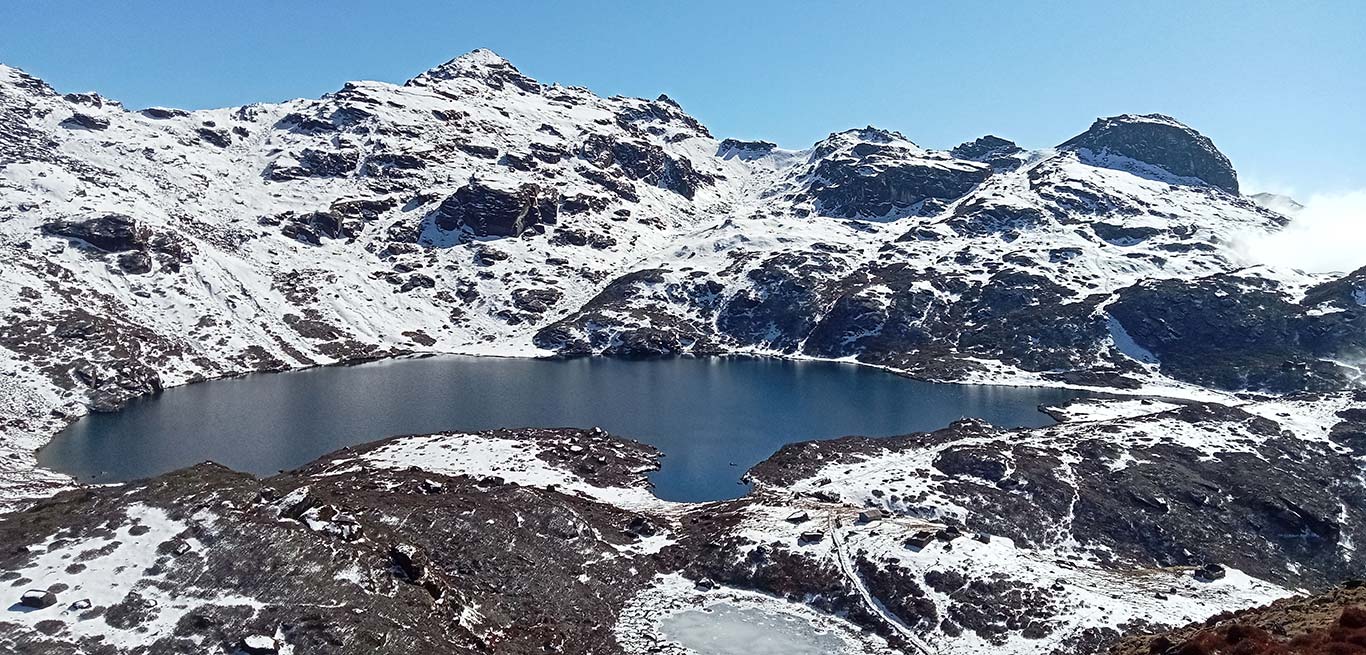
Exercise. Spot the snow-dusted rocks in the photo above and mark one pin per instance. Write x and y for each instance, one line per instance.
(1159, 141)
(1057, 539)
(873, 174)
(476, 210)
(485, 210)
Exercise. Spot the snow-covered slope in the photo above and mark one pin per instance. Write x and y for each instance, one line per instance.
(475, 210)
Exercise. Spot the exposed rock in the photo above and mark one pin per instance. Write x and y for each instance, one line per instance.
(485, 210)
(872, 173)
(640, 160)
(38, 598)
(79, 121)
(1160, 141)
(1001, 154)
(110, 232)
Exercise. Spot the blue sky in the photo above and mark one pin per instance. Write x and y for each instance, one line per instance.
(1280, 87)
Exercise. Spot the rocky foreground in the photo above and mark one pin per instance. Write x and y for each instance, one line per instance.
(1332, 623)
(971, 538)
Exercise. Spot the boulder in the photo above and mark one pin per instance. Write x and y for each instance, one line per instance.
(259, 645)
(38, 598)
(164, 113)
(110, 232)
(1209, 573)
(79, 121)
(920, 540)
(417, 281)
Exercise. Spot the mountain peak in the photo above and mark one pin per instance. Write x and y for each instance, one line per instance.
(479, 64)
(1158, 140)
(10, 75)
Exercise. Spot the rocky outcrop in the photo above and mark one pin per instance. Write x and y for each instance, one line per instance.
(1001, 154)
(79, 121)
(871, 173)
(313, 162)
(1240, 332)
(482, 66)
(482, 209)
(110, 232)
(1160, 141)
(744, 149)
(643, 161)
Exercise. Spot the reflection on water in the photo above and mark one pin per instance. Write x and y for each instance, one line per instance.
(713, 418)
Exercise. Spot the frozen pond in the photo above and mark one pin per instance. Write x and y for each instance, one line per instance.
(725, 629)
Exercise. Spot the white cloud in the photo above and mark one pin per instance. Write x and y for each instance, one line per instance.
(1328, 235)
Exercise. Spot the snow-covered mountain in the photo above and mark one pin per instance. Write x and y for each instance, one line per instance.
(475, 210)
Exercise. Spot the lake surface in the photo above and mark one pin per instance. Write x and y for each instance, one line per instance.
(713, 418)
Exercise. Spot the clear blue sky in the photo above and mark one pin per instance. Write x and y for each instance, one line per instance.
(1280, 87)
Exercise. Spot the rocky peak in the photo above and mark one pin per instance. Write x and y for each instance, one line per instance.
(1002, 154)
(854, 137)
(10, 76)
(482, 65)
(745, 150)
(1157, 140)
(879, 174)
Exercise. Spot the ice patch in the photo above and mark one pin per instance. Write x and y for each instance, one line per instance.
(1127, 345)
(726, 629)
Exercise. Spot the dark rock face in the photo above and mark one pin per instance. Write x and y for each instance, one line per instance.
(813, 304)
(136, 262)
(1001, 154)
(311, 227)
(744, 149)
(314, 163)
(1160, 141)
(872, 180)
(164, 113)
(489, 211)
(79, 121)
(640, 160)
(111, 232)
(220, 138)
(1235, 333)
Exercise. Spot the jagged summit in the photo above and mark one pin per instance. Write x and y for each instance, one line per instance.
(480, 64)
(1158, 140)
(1001, 153)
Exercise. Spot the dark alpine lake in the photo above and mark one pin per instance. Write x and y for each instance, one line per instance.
(713, 418)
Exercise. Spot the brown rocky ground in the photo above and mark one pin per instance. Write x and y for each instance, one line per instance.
(1332, 623)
